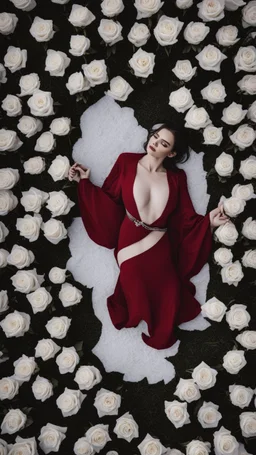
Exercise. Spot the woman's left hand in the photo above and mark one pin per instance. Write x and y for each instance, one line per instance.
(218, 217)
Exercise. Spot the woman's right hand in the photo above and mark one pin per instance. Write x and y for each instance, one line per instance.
(78, 172)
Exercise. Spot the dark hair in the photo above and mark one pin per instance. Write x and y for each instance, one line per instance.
(180, 145)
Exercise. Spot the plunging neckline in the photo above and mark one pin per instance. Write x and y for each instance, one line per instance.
(134, 201)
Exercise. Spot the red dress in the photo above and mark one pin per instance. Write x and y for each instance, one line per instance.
(153, 286)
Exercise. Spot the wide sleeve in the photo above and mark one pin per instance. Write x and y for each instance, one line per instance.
(102, 209)
(190, 233)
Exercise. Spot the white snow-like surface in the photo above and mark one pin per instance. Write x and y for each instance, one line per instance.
(107, 131)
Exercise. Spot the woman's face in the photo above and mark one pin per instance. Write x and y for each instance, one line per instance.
(160, 144)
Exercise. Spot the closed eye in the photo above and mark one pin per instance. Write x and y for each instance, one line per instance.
(163, 143)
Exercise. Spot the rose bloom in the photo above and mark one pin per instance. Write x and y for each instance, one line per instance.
(41, 103)
(13, 421)
(29, 125)
(247, 339)
(204, 376)
(9, 141)
(70, 295)
(67, 360)
(46, 349)
(33, 199)
(226, 233)
(98, 436)
(3, 301)
(252, 112)
(210, 58)
(167, 30)
(57, 275)
(243, 137)
(249, 259)
(58, 326)
(3, 232)
(34, 165)
(87, 376)
(77, 83)
(248, 84)
(238, 317)
(29, 226)
(142, 63)
(208, 415)
(223, 256)
(119, 89)
(26, 281)
(225, 442)
(59, 168)
(11, 104)
(80, 16)
(249, 14)
(177, 413)
(233, 114)
(51, 437)
(126, 427)
(146, 8)
(15, 58)
(111, 8)
(107, 402)
(9, 388)
(69, 402)
(212, 135)
(233, 206)
(8, 178)
(248, 168)
(181, 99)
(24, 5)
(15, 324)
(8, 23)
(139, 34)
(248, 424)
(187, 390)
(224, 164)
(56, 62)
(245, 59)
(24, 367)
(58, 203)
(227, 35)
(150, 445)
(8, 202)
(211, 10)
(240, 395)
(234, 361)
(233, 5)
(196, 447)
(3, 257)
(28, 84)
(82, 446)
(196, 32)
(110, 31)
(214, 92)
(79, 44)
(26, 446)
(196, 118)
(42, 29)
(249, 229)
(183, 70)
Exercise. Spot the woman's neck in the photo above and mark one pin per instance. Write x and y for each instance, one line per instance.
(152, 164)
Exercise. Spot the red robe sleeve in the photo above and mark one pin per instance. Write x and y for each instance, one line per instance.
(190, 233)
(102, 209)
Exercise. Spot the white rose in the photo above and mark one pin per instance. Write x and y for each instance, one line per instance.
(3, 232)
(79, 44)
(245, 59)
(242, 450)
(183, 70)
(196, 447)
(3, 257)
(95, 72)
(248, 168)
(35, 165)
(42, 29)
(196, 32)
(87, 377)
(24, 446)
(29, 226)
(212, 135)
(249, 15)
(3, 447)
(51, 437)
(24, 5)
(58, 326)
(13, 421)
(233, 114)
(67, 360)
(69, 402)
(208, 415)
(39, 300)
(119, 89)
(54, 231)
(110, 31)
(98, 436)
(210, 58)
(214, 92)
(234, 361)
(184, 4)
(187, 390)
(211, 10)
(26, 281)
(243, 137)
(111, 8)
(83, 447)
(232, 273)
(60, 2)
(59, 168)
(45, 142)
(146, 8)
(227, 233)
(9, 388)
(15, 324)
(224, 164)
(69, 295)
(9, 140)
(126, 427)
(248, 84)
(107, 402)
(46, 349)
(197, 118)
(8, 22)
(56, 62)
(249, 259)
(238, 317)
(224, 442)
(24, 367)
(41, 103)
(142, 63)
(15, 58)
(4, 301)
(151, 446)
(251, 114)
(58, 203)
(57, 275)
(167, 30)
(33, 199)
(223, 256)
(247, 339)
(42, 388)
(80, 16)
(11, 104)
(248, 424)
(77, 83)
(227, 35)
(177, 413)
(139, 34)
(29, 125)
(8, 178)
(3, 78)
(240, 395)
(249, 228)
(204, 376)
(20, 257)
(60, 126)
(8, 202)
(233, 206)
(181, 99)
(28, 84)
(233, 5)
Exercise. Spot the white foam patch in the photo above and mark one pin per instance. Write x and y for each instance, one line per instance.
(107, 131)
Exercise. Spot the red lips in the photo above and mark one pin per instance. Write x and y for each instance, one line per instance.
(152, 148)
